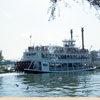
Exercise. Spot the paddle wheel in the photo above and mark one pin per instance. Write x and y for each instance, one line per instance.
(21, 65)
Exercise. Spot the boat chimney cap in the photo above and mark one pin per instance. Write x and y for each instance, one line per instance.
(82, 29)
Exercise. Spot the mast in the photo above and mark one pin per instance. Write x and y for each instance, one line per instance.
(30, 40)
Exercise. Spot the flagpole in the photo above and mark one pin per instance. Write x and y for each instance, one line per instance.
(30, 40)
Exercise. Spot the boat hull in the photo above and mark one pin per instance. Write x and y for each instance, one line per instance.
(39, 71)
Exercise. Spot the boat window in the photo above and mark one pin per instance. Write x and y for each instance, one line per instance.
(30, 54)
(52, 65)
(70, 65)
(45, 64)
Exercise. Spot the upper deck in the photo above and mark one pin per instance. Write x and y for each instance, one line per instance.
(68, 51)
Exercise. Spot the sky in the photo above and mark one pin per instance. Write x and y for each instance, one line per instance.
(21, 18)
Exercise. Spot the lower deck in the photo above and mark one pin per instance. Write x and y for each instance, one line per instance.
(50, 66)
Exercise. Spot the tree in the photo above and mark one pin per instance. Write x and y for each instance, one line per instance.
(94, 55)
(1, 57)
(94, 3)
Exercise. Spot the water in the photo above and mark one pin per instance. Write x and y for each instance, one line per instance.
(77, 84)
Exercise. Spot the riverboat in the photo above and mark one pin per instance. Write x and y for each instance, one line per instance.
(47, 59)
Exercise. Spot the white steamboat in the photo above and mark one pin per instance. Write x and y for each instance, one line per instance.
(66, 58)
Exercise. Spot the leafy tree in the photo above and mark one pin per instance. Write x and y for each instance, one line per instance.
(94, 3)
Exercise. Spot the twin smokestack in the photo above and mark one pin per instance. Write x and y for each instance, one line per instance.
(82, 30)
(82, 38)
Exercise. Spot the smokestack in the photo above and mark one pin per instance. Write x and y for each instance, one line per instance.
(71, 31)
(82, 38)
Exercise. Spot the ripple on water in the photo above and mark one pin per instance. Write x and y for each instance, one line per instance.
(50, 85)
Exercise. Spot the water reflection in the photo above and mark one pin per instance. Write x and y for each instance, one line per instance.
(81, 84)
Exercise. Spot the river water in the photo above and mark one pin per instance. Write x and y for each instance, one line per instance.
(77, 84)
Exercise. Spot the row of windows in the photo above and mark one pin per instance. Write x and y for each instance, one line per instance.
(64, 56)
(31, 54)
(66, 65)
(63, 65)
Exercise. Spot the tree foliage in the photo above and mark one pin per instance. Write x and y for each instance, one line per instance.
(1, 57)
(94, 55)
(94, 3)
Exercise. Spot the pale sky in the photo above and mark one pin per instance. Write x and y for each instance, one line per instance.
(21, 18)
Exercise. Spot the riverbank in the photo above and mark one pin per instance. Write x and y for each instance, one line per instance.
(6, 69)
